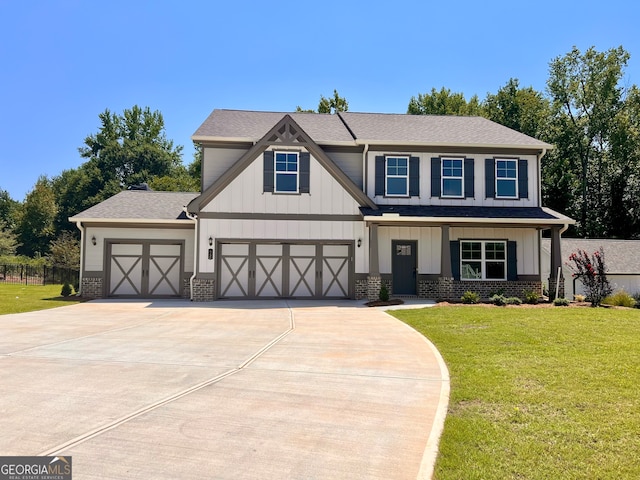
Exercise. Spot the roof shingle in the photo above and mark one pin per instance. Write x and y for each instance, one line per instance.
(140, 204)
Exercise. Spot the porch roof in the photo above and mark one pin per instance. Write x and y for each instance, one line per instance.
(465, 215)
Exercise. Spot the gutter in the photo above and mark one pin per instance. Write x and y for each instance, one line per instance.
(195, 249)
(82, 247)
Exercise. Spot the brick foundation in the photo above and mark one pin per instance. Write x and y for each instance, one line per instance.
(91, 287)
(204, 290)
(552, 288)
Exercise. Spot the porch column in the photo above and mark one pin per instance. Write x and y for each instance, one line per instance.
(445, 253)
(556, 262)
(374, 280)
(374, 262)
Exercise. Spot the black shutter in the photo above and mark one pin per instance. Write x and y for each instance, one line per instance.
(380, 175)
(523, 179)
(435, 177)
(490, 177)
(512, 261)
(414, 176)
(468, 178)
(268, 172)
(304, 172)
(455, 259)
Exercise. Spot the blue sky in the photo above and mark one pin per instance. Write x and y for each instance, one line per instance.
(64, 62)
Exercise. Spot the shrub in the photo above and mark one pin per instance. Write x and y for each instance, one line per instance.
(498, 292)
(636, 297)
(66, 290)
(592, 272)
(531, 296)
(561, 302)
(470, 297)
(513, 301)
(579, 298)
(384, 293)
(499, 300)
(620, 299)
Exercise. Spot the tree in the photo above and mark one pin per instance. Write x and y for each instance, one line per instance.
(35, 219)
(8, 208)
(444, 102)
(131, 148)
(329, 105)
(8, 242)
(591, 271)
(523, 109)
(64, 251)
(587, 102)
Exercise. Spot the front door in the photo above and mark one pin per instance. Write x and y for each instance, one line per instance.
(404, 266)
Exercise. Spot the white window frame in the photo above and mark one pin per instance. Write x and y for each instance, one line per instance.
(276, 172)
(483, 260)
(503, 179)
(387, 176)
(442, 177)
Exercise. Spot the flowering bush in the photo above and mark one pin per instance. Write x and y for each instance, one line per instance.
(592, 272)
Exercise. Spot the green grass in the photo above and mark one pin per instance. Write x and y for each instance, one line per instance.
(26, 298)
(537, 393)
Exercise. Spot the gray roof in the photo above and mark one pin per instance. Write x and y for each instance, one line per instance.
(139, 204)
(620, 256)
(435, 130)
(252, 126)
(368, 128)
(446, 211)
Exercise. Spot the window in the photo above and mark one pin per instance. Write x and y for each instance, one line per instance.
(286, 172)
(397, 176)
(483, 260)
(452, 177)
(507, 178)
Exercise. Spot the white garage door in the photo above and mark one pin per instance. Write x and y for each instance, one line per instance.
(144, 269)
(273, 270)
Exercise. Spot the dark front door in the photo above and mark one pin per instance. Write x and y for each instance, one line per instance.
(404, 266)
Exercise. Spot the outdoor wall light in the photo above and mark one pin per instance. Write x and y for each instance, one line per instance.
(93, 240)
(210, 241)
(359, 242)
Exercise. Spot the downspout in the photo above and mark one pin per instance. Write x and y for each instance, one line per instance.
(364, 167)
(195, 250)
(82, 247)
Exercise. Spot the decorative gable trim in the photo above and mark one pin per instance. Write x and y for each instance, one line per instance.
(284, 133)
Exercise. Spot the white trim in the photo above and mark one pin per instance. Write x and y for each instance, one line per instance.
(286, 172)
(516, 179)
(396, 218)
(483, 260)
(387, 176)
(442, 177)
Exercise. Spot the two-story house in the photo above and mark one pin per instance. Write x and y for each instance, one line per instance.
(305, 205)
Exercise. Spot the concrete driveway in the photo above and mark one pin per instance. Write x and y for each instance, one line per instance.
(229, 390)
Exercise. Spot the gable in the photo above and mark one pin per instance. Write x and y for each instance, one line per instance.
(286, 133)
(245, 195)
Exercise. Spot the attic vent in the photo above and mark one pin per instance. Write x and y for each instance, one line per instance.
(141, 186)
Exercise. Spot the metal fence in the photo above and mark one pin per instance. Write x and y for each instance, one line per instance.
(42, 275)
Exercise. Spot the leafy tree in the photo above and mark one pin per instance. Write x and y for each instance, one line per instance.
(8, 242)
(131, 148)
(591, 271)
(329, 105)
(64, 251)
(587, 102)
(523, 109)
(444, 102)
(8, 208)
(35, 219)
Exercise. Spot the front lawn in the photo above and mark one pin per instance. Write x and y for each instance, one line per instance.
(26, 298)
(537, 393)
